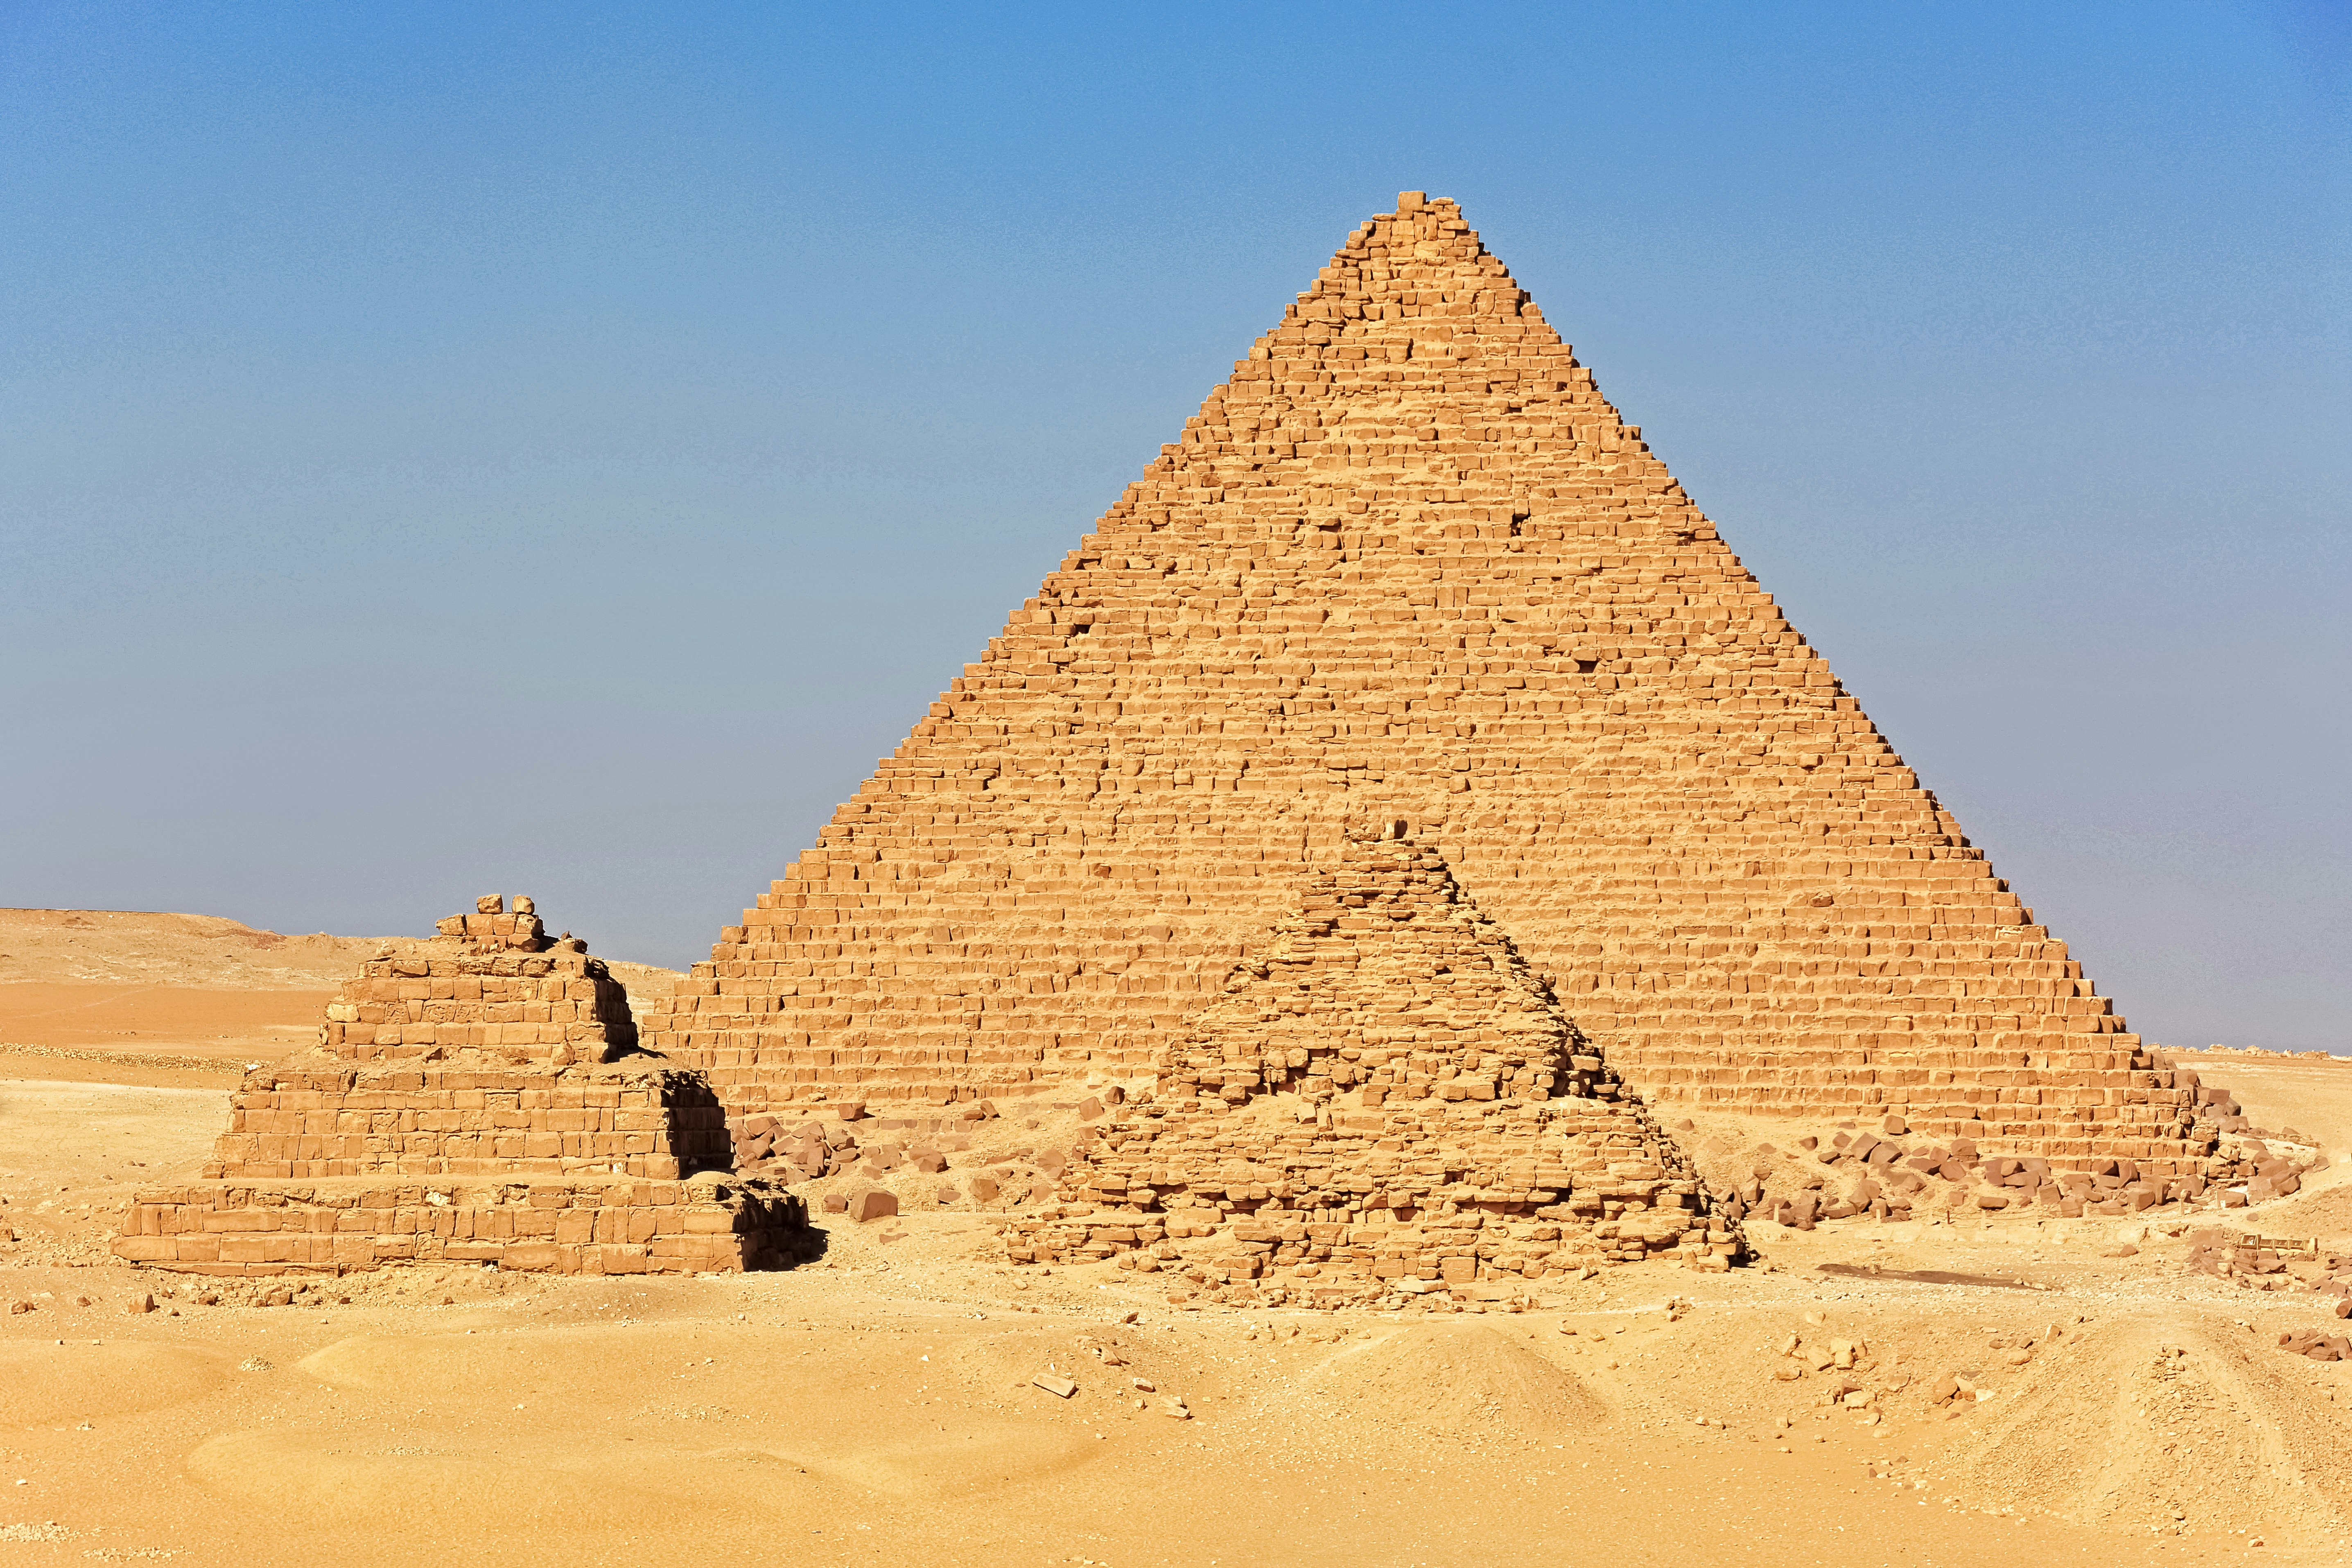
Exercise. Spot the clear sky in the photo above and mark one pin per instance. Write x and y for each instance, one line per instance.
(449, 448)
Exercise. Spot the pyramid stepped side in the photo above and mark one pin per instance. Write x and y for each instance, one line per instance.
(1384, 1097)
(472, 1102)
(1408, 561)
(491, 981)
(1390, 981)
(472, 1118)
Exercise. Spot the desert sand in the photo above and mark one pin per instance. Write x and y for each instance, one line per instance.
(884, 1403)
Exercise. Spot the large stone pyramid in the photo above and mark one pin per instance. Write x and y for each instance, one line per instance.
(1384, 1094)
(1408, 563)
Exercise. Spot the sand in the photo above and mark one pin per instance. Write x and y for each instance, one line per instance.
(879, 1405)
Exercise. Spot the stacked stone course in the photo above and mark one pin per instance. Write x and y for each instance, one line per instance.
(1385, 1096)
(1408, 561)
(579, 1226)
(628, 1119)
(478, 1103)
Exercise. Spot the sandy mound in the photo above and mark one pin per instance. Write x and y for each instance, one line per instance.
(612, 1379)
(2137, 1423)
(2323, 1212)
(42, 1383)
(461, 1357)
(1454, 1380)
(560, 1486)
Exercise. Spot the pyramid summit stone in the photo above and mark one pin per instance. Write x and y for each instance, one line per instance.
(1383, 1092)
(1408, 564)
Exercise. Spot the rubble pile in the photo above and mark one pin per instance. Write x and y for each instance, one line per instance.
(1384, 1098)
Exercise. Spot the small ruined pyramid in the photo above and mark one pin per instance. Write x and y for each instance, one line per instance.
(1385, 1096)
(480, 1100)
(1408, 561)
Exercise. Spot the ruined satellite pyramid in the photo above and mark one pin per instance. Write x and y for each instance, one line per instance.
(1407, 563)
(1383, 1094)
(478, 1100)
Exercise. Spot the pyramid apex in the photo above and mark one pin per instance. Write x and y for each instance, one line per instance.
(1411, 201)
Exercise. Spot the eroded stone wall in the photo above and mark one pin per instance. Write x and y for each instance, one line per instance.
(579, 1226)
(477, 1120)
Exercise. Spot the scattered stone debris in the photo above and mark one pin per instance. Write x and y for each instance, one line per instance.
(47, 1530)
(2272, 1263)
(2317, 1344)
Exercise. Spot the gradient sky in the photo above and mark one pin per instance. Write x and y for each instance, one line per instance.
(556, 449)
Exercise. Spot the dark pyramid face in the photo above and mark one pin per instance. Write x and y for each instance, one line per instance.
(1408, 564)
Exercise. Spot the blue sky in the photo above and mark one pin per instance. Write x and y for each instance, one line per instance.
(558, 448)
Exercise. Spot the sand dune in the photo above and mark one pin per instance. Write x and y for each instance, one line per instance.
(1454, 1380)
(2161, 1413)
(39, 1388)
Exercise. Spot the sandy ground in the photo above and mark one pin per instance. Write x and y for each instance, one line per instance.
(2287, 1093)
(160, 1032)
(878, 1406)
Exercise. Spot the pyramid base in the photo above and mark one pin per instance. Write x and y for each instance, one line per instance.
(530, 1225)
(1323, 1250)
(786, 1140)
(1320, 1286)
(1367, 1192)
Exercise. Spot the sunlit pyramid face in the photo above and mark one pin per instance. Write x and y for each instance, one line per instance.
(1407, 566)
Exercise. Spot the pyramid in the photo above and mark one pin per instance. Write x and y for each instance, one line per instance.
(1408, 563)
(1383, 1095)
(478, 1101)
